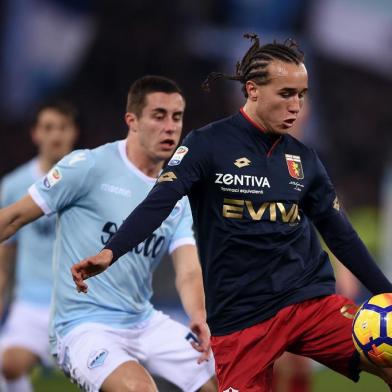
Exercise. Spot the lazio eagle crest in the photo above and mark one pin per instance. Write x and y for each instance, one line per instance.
(295, 166)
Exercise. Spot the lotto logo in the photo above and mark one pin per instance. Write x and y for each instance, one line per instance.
(230, 389)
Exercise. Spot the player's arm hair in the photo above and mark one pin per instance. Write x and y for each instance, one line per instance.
(7, 263)
(189, 281)
(16, 215)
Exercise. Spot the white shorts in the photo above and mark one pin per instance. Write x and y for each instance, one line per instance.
(27, 326)
(91, 352)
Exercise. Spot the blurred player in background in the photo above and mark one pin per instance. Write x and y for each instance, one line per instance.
(257, 194)
(107, 339)
(24, 337)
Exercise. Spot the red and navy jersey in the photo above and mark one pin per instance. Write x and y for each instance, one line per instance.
(255, 202)
(252, 201)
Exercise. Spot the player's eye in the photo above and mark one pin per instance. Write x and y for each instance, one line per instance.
(302, 95)
(47, 127)
(285, 94)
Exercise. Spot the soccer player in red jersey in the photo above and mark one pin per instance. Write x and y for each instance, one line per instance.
(257, 196)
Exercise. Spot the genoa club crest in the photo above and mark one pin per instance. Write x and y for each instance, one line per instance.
(295, 166)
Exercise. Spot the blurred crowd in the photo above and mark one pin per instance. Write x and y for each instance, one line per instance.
(90, 51)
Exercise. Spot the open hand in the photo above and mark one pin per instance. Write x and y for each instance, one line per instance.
(89, 267)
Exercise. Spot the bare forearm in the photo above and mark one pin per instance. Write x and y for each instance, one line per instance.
(189, 281)
(9, 224)
(7, 260)
(191, 291)
(13, 217)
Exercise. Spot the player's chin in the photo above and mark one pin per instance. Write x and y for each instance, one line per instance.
(166, 150)
(164, 155)
(281, 130)
(284, 128)
(58, 154)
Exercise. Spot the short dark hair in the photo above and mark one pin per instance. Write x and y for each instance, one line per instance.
(145, 85)
(59, 105)
(254, 63)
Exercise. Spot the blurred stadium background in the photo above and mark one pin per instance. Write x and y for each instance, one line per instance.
(89, 52)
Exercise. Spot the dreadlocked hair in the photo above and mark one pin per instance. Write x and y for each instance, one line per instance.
(254, 63)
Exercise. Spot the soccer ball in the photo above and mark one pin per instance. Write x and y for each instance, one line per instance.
(372, 330)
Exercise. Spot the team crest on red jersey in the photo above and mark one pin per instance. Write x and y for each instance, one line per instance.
(295, 166)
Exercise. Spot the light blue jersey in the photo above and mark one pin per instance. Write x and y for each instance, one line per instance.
(34, 241)
(93, 191)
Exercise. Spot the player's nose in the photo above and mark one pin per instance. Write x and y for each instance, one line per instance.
(294, 105)
(170, 126)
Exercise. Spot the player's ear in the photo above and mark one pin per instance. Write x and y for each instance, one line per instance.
(34, 134)
(252, 90)
(131, 121)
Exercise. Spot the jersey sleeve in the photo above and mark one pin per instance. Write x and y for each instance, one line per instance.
(7, 197)
(188, 165)
(322, 206)
(183, 234)
(321, 200)
(65, 183)
(6, 194)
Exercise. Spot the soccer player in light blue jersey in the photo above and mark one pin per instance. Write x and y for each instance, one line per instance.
(111, 338)
(24, 337)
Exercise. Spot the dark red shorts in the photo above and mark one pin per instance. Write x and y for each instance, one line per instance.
(317, 328)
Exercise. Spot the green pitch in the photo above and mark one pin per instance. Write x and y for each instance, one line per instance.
(327, 381)
(324, 381)
(51, 381)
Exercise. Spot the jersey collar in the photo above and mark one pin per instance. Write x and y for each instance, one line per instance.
(255, 125)
(247, 123)
(122, 148)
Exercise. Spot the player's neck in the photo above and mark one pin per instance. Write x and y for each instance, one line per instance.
(142, 161)
(45, 164)
(250, 111)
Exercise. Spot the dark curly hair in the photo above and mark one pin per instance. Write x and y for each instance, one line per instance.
(254, 63)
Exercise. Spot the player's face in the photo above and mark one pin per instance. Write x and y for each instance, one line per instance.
(279, 102)
(54, 134)
(159, 126)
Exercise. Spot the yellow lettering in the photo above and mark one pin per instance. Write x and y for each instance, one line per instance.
(233, 208)
(295, 214)
(234, 201)
(231, 211)
(272, 208)
(288, 217)
(256, 215)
